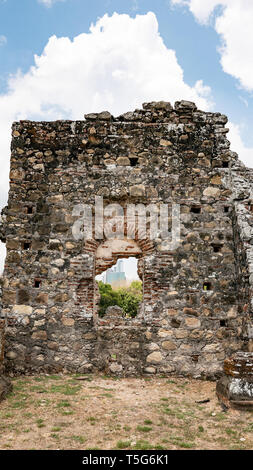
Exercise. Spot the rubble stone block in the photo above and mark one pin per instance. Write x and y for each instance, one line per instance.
(235, 388)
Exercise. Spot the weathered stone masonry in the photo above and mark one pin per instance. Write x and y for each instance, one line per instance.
(197, 299)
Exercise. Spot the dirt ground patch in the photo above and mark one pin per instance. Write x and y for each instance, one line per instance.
(97, 412)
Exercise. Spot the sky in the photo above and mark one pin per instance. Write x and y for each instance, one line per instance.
(130, 267)
(60, 59)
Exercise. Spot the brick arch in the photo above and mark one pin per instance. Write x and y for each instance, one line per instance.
(107, 252)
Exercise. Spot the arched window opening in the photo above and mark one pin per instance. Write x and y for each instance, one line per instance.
(120, 285)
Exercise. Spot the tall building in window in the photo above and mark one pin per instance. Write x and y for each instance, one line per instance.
(116, 273)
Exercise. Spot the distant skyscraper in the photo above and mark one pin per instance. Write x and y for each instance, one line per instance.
(116, 273)
(120, 266)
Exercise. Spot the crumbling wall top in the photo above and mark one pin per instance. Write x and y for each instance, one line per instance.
(161, 111)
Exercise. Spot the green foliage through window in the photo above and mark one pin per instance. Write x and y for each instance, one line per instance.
(128, 298)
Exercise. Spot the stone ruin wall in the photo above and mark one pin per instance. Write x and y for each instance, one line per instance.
(155, 155)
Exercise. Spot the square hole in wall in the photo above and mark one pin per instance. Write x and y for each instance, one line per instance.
(226, 209)
(216, 247)
(133, 161)
(225, 164)
(29, 210)
(223, 323)
(26, 246)
(37, 283)
(196, 210)
(207, 286)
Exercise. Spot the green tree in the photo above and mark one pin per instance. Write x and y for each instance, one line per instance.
(128, 298)
(108, 297)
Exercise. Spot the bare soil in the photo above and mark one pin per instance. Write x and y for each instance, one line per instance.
(97, 412)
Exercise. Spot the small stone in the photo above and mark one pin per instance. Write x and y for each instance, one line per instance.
(164, 333)
(172, 293)
(58, 262)
(42, 298)
(39, 323)
(148, 334)
(181, 334)
(11, 355)
(183, 138)
(165, 143)
(68, 321)
(211, 192)
(155, 357)
(115, 368)
(150, 370)
(70, 246)
(123, 161)
(53, 345)
(104, 116)
(190, 311)
(138, 190)
(42, 335)
(22, 310)
(90, 336)
(91, 116)
(114, 311)
(192, 322)
(172, 312)
(129, 116)
(216, 179)
(169, 345)
(153, 347)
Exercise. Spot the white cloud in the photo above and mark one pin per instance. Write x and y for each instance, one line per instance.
(201, 9)
(237, 145)
(3, 40)
(49, 3)
(233, 23)
(118, 65)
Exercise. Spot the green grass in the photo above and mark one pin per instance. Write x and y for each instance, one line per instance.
(123, 444)
(18, 405)
(63, 404)
(142, 445)
(7, 416)
(65, 389)
(186, 445)
(38, 388)
(127, 428)
(91, 420)
(56, 429)
(80, 439)
(144, 428)
(40, 423)
(230, 432)
(171, 422)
